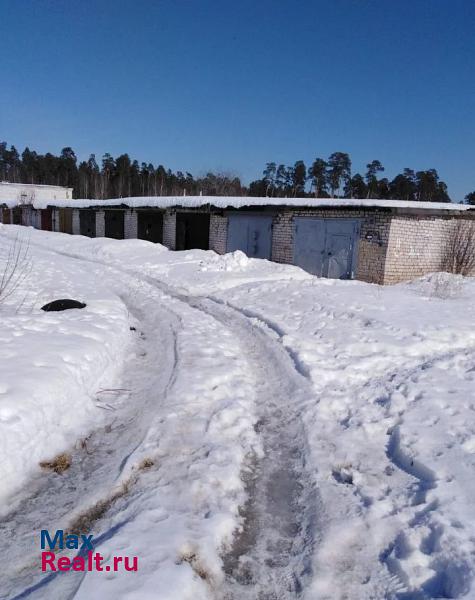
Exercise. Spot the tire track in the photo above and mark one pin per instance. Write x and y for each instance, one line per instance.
(97, 463)
(271, 555)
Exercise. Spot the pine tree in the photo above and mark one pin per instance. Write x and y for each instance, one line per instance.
(269, 174)
(317, 173)
(339, 171)
(470, 198)
(373, 168)
(356, 187)
(299, 178)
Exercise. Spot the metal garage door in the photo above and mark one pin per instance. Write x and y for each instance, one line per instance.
(150, 226)
(6, 216)
(326, 247)
(66, 220)
(114, 224)
(87, 223)
(46, 219)
(250, 233)
(16, 216)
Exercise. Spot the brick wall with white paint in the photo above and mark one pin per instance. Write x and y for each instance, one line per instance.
(130, 225)
(76, 222)
(169, 229)
(55, 218)
(100, 224)
(418, 245)
(282, 248)
(26, 216)
(218, 233)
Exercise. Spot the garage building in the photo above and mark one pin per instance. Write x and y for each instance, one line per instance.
(378, 241)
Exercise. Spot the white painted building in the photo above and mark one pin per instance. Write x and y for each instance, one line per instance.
(13, 194)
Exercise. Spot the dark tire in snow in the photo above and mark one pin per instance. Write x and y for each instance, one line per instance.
(63, 304)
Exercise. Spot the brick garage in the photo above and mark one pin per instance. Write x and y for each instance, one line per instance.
(418, 242)
(389, 241)
(372, 241)
(394, 244)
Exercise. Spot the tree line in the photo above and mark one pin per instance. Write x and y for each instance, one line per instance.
(118, 177)
(122, 177)
(333, 178)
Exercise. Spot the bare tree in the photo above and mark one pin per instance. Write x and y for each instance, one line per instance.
(16, 267)
(459, 255)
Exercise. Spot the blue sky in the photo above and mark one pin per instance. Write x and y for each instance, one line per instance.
(200, 85)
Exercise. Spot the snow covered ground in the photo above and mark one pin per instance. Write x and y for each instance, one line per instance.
(245, 429)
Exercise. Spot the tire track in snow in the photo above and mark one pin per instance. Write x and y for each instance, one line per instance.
(271, 557)
(96, 466)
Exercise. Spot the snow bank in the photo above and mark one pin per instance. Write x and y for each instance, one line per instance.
(191, 271)
(243, 201)
(53, 364)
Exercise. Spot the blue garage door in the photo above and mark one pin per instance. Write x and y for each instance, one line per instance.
(250, 233)
(326, 247)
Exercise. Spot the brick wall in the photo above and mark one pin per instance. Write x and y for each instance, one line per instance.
(373, 246)
(76, 223)
(218, 233)
(100, 223)
(169, 229)
(26, 216)
(55, 219)
(417, 245)
(282, 249)
(130, 225)
(371, 254)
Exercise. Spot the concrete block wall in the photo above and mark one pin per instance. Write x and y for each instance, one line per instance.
(169, 229)
(417, 246)
(100, 224)
(130, 225)
(218, 233)
(76, 222)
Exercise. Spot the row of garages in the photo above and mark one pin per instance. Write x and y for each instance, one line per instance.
(375, 244)
(332, 253)
(150, 223)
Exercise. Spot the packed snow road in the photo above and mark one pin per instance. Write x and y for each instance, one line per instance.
(244, 429)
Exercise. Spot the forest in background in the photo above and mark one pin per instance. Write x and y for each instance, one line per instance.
(122, 177)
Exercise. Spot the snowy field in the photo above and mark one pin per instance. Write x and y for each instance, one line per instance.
(248, 431)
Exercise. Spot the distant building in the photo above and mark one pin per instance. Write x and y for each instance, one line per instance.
(26, 193)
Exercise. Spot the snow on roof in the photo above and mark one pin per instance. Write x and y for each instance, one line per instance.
(245, 201)
(34, 185)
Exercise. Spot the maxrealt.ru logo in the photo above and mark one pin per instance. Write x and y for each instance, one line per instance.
(85, 560)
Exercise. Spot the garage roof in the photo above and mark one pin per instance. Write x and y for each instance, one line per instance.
(246, 201)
